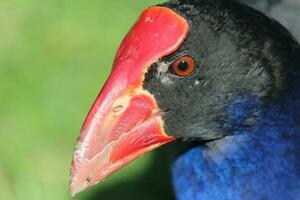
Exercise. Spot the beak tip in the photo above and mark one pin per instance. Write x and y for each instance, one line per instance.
(80, 178)
(72, 189)
(74, 185)
(75, 189)
(73, 193)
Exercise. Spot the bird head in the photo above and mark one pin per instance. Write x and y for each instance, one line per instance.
(186, 70)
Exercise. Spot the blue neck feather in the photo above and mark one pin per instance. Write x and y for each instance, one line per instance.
(261, 162)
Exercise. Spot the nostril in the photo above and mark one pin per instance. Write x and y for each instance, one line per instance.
(117, 109)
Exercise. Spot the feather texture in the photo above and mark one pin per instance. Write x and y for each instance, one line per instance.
(262, 162)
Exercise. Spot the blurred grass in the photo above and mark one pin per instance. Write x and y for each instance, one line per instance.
(54, 57)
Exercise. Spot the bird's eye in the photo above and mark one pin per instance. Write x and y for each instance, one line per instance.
(183, 66)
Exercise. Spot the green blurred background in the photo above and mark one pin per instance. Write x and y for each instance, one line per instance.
(54, 57)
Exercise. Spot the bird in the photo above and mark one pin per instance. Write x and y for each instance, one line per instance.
(217, 74)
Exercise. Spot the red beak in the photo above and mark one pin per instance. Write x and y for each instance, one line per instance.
(125, 121)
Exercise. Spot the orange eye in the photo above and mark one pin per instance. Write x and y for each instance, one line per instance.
(184, 66)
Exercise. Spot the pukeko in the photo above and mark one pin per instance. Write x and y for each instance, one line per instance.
(215, 72)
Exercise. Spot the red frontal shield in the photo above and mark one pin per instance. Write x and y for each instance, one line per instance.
(125, 121)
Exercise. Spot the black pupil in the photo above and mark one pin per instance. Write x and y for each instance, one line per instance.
(183, 66)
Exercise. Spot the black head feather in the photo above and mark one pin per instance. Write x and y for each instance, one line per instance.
(239, 52)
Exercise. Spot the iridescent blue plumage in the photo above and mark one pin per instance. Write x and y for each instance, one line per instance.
(260, 157)
(260, 162)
